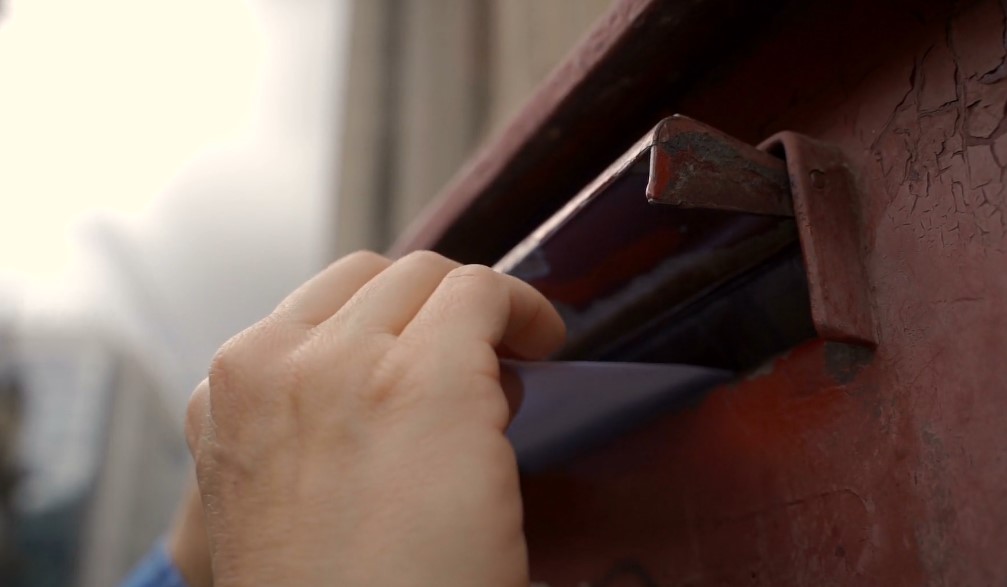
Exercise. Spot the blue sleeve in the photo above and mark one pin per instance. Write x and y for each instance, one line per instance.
(155, 570)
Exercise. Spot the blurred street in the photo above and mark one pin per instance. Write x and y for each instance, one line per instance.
(167, 178)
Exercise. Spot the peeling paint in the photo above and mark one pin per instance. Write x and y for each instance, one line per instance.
(946, 131)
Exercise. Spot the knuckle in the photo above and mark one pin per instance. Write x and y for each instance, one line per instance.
(233, 360)
(224, 365)
(362, 260)
(472, 282)
(364, 256)
(193, 423)
(424, 258)
(476, 275)
(245, 355)
(195, 417)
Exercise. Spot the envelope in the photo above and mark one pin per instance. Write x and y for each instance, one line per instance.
(573, 406)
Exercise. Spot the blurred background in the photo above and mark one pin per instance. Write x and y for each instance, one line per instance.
(168, 171)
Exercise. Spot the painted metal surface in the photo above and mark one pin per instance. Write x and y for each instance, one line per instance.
(832, 465)
(755, 485)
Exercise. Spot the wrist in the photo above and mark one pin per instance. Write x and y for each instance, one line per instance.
(187, 543)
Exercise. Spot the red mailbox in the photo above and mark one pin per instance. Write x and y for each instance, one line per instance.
(845, 174)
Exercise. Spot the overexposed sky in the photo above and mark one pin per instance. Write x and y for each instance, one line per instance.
(102, 102)
(167, 167)
(167, 172)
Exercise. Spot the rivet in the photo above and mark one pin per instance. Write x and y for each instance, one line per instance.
(818, 179)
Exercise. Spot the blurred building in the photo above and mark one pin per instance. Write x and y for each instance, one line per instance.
(428, 80)
(98, 101)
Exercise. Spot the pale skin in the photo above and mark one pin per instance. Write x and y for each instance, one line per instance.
(356, 435)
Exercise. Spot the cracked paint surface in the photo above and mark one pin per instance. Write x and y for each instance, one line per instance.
(834, 467)
(948, 135)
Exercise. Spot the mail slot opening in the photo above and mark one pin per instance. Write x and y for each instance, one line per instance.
(641, 272)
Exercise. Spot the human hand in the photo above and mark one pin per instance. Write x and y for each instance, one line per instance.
(356, 435)
(187, 543)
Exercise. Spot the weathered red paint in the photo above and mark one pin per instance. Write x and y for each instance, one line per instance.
(696, 166)
(753, 486)
(827, 203)
(832, 465)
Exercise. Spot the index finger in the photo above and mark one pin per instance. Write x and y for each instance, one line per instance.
(475, 304)
(324, 294)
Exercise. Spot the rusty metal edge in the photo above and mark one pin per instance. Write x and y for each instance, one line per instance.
(633, 156)
(697, 166)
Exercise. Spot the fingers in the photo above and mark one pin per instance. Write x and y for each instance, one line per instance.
(451, 318)
(389, 301)
(324, 294)
(474, 304)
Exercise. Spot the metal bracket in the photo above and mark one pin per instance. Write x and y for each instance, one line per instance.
(695, 166)
(827, 209)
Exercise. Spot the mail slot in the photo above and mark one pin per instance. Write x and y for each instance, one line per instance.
(637, 279)
(686, 251)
